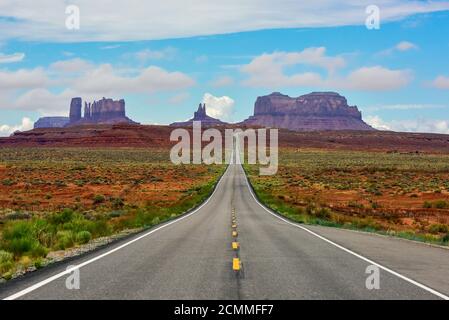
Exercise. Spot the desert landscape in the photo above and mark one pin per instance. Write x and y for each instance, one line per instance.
(55, 199)
(64, 187)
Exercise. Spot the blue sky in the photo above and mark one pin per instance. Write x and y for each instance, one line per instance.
(397, 75)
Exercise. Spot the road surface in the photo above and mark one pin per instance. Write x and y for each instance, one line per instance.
(192, 258)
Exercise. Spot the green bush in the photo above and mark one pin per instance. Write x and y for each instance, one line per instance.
(65, 239)
(438, 228)
(8, 182)
(63, 217)
(99, 198)
(19, 237)
(427, 205)
(441, 204)
(155, 221)
(445, 238)
(38, 250)
(17, 230)
(6, 261)
(5, 256)
(117, 203)
(83, 237)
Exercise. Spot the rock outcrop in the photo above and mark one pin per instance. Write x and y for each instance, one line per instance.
(75, 109)
(51, 122)
(316, 111)
(200, 115)
(104, 111)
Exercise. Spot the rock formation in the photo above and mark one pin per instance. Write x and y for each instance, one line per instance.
(315, 111)
(75, 109)
(104, 111)
(51, 122)
(200, 115)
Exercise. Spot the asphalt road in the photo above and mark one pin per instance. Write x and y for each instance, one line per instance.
(192, 258)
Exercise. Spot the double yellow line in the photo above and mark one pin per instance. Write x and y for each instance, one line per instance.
(236, 263)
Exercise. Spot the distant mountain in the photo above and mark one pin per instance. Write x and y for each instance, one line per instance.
(104, 111)
(200, 115)
(51, 122)
(316, 111)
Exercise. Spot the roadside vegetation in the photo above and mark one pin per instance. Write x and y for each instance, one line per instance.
(61, 198)
(405, 195)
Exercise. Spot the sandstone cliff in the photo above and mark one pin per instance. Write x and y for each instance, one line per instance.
(316, 111)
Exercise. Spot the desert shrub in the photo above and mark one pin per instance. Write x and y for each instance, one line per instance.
(83, 237)
(115, 214)
(8, 182)
(99, 228)
(155, 221)
(323, 213)
(19, 237)
(6, 261)
(355, 204)
(17, 230)
(99, 198)
(441, 204)
(62, 217)
(38, 250)
(438, 228)
(445, 238)
(375, 205)
(117, 203)
(18, 216)
(427, 205)
(65, 239)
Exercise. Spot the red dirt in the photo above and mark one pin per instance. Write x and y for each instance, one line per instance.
(149, 136)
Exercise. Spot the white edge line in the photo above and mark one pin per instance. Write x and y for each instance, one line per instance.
(416, 283)
(68, 271)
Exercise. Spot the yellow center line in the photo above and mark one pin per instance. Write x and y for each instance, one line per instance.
(236, 264)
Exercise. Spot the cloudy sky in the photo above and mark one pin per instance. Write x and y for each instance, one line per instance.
(165, 58)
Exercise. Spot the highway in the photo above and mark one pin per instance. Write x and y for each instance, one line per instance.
(192, 258)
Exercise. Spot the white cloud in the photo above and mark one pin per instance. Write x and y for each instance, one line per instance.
(148, 54)
(45, 102)
(106, 79)
(269, 71)
(219, 107)
(75, 65)
(412, 125)
(128, 20)
(23, 78)
(7, 130)
(223, 81)
(276, 61)
(405, 46)
(401, 46)
(377, 78)
(10, 58)
(377, 123)
(441, 82)
(40, 90)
